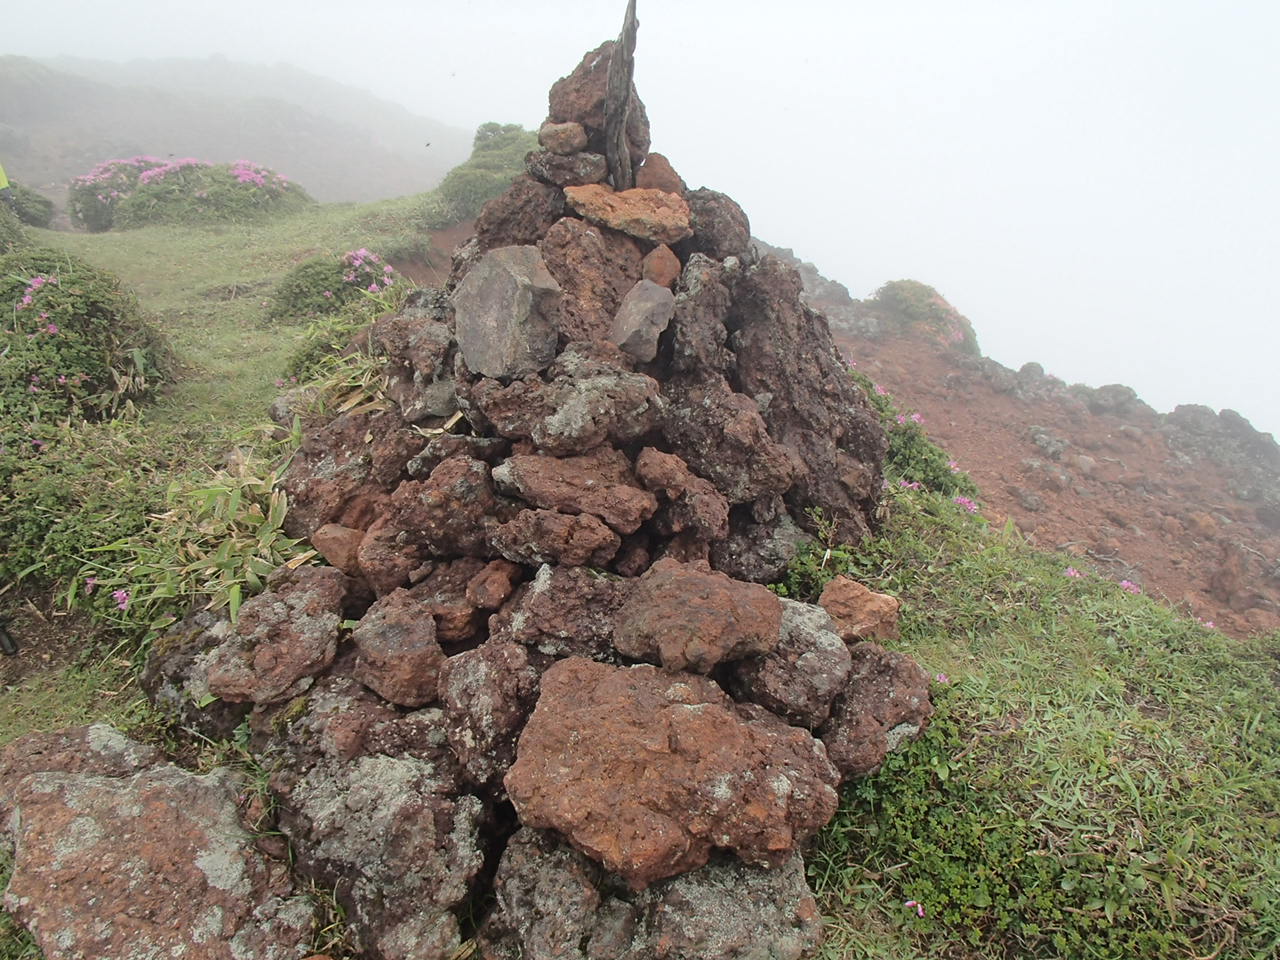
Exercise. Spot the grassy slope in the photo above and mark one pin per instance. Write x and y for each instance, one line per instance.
(1088, 739)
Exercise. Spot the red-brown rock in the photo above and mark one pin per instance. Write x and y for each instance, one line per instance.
(339, 546)
(520, 216)
(595, 267)
(563, 138)
(688, 617)
(860, 613)
(656, 173)
(399, 658)
(652, 215)
(283, 638)
(647, 771)
(720, 227)
(690, 503)
(443, 595)
(580, 98)
(885, 704)
(544, 536)
(490, 588)
(563, 612)
(594, 483)
(661, 266)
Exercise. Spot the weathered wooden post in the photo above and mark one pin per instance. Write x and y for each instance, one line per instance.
(617, 102)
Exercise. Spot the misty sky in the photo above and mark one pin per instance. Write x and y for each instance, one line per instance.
(1094, 183)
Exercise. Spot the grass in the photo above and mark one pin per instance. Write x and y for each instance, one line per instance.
(1100, 781)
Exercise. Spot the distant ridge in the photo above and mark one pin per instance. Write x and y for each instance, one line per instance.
(59, 117)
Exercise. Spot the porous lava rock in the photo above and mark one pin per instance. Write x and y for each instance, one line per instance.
(546, 536)
(566, 170)
(720, 227)
(652, 215)
(175, 676)
(658, 174)
(859, 612)
(687, 616)
(685, 771)
(283, 638)
(517, 217)
(116, 856)
(562, 138)
(885, 703)
(594, 483)
(564, 612)
(595, 267)
(399, 657)
(579, 98)
(661, 266)
(556, 904)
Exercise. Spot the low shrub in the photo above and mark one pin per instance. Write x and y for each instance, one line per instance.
(34, 209)
(12, 236)
(911, 303)
(324, 286)
(146, 190)
(497, 158)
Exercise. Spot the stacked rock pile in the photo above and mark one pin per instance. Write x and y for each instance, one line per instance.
(542, 662)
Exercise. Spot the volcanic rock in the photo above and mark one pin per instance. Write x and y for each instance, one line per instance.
(595, 483)
(545, 536)
(175, 676)
(595, 267)
(656, 173)
(562, 138)
(440, 448)
(490, 588)
(516, 218)
(340, 547)
(690, 503)
(703, 301)
(661, 266)
(798, 679)
(644, 314)
(572, 170)
(653, 215)
(417, 343)
(580, 98)
(399, 657)
(116, 859)
(553, 903)
(444, 595)
(758, 551)
(688, 617)
(283, 638)
(684, 771)
(885, 704)
(860, 613)
(487, 694)
(393, 843)
(563, 612)
(720, 227)
(505, 310)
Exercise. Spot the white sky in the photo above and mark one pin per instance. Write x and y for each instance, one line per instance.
(1094, 183)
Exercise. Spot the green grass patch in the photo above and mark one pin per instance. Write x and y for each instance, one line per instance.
(1100, 781)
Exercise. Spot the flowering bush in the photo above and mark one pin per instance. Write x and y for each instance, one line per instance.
(144, 190)
(323, 286)
(911, 303)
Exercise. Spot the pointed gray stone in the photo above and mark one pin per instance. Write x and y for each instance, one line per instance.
(504, 312)
(644, 314)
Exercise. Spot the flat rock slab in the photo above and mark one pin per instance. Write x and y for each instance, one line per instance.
(111, 865)
(648, 771)
(653, 215)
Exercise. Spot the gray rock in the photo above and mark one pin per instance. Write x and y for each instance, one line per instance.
(562, 138)
(567, 170)
(555, 904)
(399, 657)
(644, 314)
(758, 552)
(505, 311)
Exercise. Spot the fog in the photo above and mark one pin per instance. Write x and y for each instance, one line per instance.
(1093, 183)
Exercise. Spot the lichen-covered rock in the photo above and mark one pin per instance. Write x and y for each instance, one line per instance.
(594, 483)
(417, 343)
(652, 215)
(486, 695)
(644, 314)
(647, 771)
(545, 536)
(720, 227)
(175, 676)
(394, 843)
(566, 170)
(563, 612)
(516, 218)
(562, 138)
(505, 311)
(116, 860)
(284, 637)
(343, 472)
(555, 904)
(449, 514)
(859, 612)
(399, 658)
(579, 98)
(758, 550)
(445, 446)
(688, 617)
(885, 704)
(801, 676)
(595, 267)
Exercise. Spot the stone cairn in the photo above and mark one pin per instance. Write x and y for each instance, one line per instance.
(566, 696)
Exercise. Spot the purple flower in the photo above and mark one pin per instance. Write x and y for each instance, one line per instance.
(919, 908)
(941, 678)
(1072, 572)
(966, 503)
(880, 391)
(916, 418)
(121, 597)
(52, 328)
(1128, 586)
(89, 584)
(911, 484)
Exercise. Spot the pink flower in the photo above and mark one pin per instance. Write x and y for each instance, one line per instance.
(52, 328)
(121, 597)
(89, 584)
(916, 418)
(880, 391)
(911, 484)
(329, 294)
(953, 466)
(373, 288)
(1128, 586)
(918, 907)
(941, 678)
(901, 418)
(1072, 572)
(966, 503)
